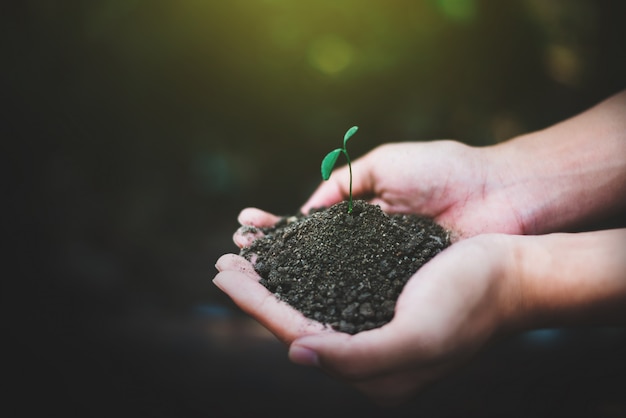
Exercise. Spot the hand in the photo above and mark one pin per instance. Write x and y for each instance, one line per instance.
(482, 286)
(475, 290)
(461, 187)
(447, 311)
(238, 280)
(558, 178)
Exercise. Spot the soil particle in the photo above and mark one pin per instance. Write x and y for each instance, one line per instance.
(345, 269)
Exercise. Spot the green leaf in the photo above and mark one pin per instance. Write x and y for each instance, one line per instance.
(348, 134)
(329, 162)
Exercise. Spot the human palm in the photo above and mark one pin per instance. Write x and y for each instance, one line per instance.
(485, 284)
(447, 311)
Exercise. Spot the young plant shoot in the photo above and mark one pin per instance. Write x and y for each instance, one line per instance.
(328, 163)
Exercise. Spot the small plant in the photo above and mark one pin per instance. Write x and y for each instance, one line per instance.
(328, 163)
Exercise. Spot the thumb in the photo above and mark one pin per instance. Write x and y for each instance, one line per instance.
(354, 357)
(333, 352)
(329, 192)
(337, 187)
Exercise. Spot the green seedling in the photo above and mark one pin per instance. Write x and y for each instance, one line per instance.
(328, 163)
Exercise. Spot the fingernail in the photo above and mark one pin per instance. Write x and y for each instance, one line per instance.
(303, 356)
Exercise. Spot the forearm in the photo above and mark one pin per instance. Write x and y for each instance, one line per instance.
(571, 279)
(569, 174)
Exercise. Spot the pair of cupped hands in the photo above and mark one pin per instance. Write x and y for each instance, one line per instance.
(452, 307)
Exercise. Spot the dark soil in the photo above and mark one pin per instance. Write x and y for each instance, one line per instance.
(345, 270)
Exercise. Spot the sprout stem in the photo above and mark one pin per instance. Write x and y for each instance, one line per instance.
(349, 169)
(331, 158)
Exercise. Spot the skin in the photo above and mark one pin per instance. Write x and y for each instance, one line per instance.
(472, 293)
(560, 178)
(496, 279)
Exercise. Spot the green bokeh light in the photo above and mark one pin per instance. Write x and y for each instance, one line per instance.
(459, 10)
(330, 54)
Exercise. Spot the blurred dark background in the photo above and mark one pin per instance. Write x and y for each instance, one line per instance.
(134, 131)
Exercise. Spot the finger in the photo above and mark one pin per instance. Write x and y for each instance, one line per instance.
(327, 194)
(251, 219)
(232, 262)
(246, 235)
(385, 376)
(337, 187)
(365, 355)
(257, 217)
(277, 316)
(384, 205)
(349, 357)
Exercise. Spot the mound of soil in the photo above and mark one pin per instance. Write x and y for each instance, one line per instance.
(345, 270)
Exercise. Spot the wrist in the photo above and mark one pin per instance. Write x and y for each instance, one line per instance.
(568, 175)
(512, 309)
(570, 279)
(512, 178)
